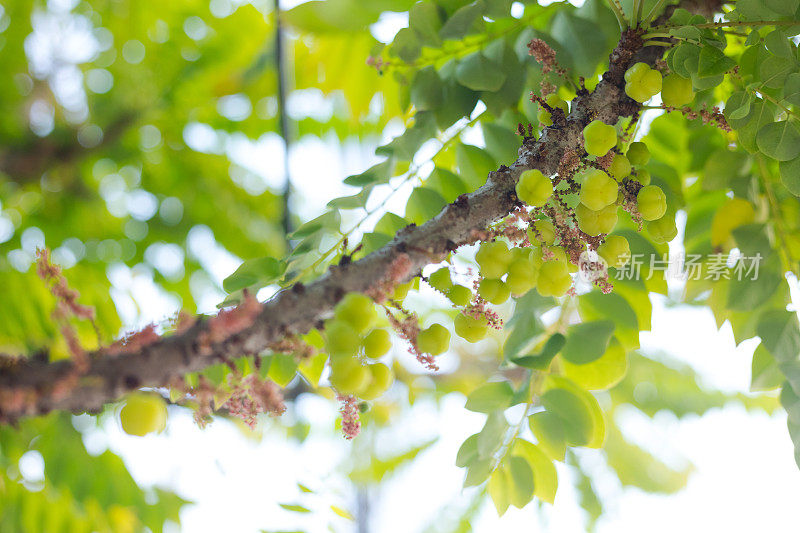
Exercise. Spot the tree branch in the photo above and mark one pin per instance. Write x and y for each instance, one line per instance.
(30, 386)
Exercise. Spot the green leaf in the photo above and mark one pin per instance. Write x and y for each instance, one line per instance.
(464, 21)
(520, 477)
(778, 44)
(549, 431)
(491, 436)
(356, 201)
(588, 341)
(374, 175)
(761, 114)
(791, 89)
(427, 92)
(477, 472)
(545, 477)
(502, 143)
(479, 73)
(498, 489)
(571, 410)
(602, 373)
(474, 165)
(446, 183)
(685, 59)
(783, 7)
(774, 70)
(254, 272)
(328, 221)
(598, 424)
(406, 45)
(468, 452)
(344, 513)
(738, 105)
(490, 397)
(295, 508)
(423, 205)
(390, 224)
(780, 334)
(765, 373)
(282, 368)
(779, 140)
(426, 21)
(582, 38)
(542, 359)
(713, 62)
(790, 175)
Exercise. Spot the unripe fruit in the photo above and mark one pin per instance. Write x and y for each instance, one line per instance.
(620, 167)
(522, 276)
(638, 154)
(677, 91)
(733, 213)
(381, 378)
(341, 338)
(494, 291)
(348, 375)
(651, 202)
(554, 101)
(470, 329)
(377, 343)
(143, 413)
(534, 188)
(642, 82)
(357, 310)
(664, 229)
(545, 232)
(554, 279)
(642, 176)
(401, 290)
(459, 295)
(596, 222)
(493, 259)
(598, 190)
(440, 280)
(615, 251)
(434, 340)
(599, 138)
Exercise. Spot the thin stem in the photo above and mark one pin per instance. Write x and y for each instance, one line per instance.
(638, 6)
(413, 173)
(283, 120)
(616, 7)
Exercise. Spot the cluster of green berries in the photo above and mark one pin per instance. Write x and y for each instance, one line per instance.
(352, 332)
(642, 83)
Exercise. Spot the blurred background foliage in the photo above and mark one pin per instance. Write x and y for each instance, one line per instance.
(142, 142)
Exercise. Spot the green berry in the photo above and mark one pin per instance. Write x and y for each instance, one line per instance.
(642, 82)
(620, 167)
(599, 138)
(545, 232)
(522, 276)
(471, 329)
(534, 188)
(143, 413)
(348, 375)
(440, 280)
(638, 154)
(493, 259)
(377, 343)
(598, 190)
(341, 338)
(434, 340)
(677, 91)
(554, 101)
(642, 176)
(554, 279)
(616, 251)
(651, 202)
(494, 291)
(358, 310)
(381, 378)
(459, 295)
(596, 222)
(663, 230)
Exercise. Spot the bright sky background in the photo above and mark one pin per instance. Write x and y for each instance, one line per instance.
(745, 480)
